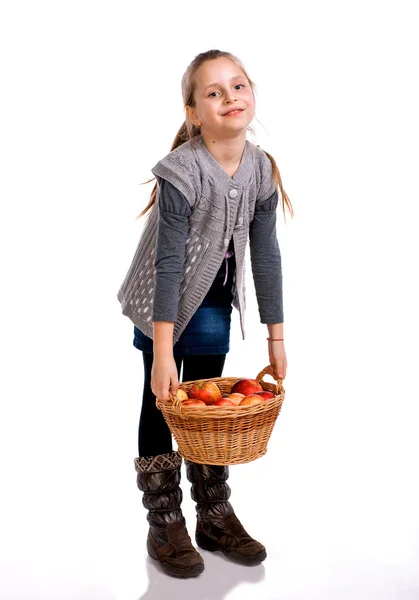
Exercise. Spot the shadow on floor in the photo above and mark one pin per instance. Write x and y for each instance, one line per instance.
(220, 577)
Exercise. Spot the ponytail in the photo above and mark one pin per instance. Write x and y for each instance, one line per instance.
(278, 182)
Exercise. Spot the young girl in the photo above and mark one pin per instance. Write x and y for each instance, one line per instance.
(213, 191)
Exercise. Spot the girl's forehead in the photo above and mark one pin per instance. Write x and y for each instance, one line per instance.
(217, 71)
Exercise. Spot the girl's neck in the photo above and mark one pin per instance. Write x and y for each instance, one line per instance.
(227, 152)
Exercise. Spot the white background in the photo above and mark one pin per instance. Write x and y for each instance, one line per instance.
(90, 102)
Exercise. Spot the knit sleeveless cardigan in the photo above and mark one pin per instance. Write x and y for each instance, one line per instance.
(221, 207)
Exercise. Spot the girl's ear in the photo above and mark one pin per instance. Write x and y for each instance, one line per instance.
(191, 115)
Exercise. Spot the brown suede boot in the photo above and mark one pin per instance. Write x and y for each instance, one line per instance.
(217, 527)
(168, 540)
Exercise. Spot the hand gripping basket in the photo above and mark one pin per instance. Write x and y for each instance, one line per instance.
(223, 435)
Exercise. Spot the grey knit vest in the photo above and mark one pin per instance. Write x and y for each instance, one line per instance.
(222, 207)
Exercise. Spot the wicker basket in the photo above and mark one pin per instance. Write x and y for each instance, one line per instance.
(223, 435)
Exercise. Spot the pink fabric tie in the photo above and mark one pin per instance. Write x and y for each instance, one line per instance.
(227, 256)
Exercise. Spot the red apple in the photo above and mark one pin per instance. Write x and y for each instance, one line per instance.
(246, 387)
(206, 391)
(251, 400)
(224, 402)
(182, 395)
(236, 398)
(193, 403)
(265, 395)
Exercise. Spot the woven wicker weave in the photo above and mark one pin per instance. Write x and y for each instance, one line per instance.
(218, 435)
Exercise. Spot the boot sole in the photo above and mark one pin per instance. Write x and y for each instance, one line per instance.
(192, 571)
(212, 546)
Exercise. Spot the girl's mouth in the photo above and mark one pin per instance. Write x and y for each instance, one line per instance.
(234, 113)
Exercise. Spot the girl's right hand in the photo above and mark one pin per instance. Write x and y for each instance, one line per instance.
(164, 375)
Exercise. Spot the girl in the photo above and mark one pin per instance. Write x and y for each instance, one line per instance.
(213, 191)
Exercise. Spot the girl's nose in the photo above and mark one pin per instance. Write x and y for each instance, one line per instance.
(230, 98)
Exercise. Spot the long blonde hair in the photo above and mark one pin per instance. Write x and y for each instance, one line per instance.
(188, 130)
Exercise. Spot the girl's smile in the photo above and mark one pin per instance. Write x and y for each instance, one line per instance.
(234, 112)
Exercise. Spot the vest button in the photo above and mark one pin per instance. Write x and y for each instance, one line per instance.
(233, 193)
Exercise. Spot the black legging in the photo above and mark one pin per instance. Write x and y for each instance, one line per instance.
(154, 436)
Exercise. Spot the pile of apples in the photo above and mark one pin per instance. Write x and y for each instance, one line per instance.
(245, 392)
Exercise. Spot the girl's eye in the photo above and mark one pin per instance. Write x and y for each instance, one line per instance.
(213, 94)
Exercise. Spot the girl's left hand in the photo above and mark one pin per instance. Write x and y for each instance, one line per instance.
(277, 360)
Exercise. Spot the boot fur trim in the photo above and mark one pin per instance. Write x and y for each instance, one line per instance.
(155, 464)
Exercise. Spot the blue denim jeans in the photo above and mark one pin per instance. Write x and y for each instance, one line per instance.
(208, 332)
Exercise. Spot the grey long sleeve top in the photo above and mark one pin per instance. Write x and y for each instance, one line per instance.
(174, 212)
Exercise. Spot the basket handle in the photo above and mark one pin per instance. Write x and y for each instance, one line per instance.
(177, 405)
(269, 371)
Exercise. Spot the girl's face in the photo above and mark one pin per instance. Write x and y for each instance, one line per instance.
(221, 87)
